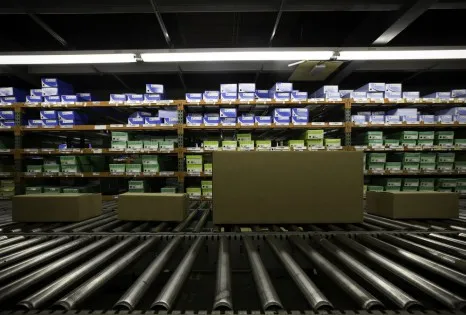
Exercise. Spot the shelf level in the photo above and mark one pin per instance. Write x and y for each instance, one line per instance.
(98, 128)
(99, 104)
(92, 151)
(98, 175)
(326, 125)
(413, 173)
(408, 126)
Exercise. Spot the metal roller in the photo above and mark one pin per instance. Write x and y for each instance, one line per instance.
(313, 295)
(160, 227)
(26, 281)
(442, 257)
(397, 296)
(418, 260)
(94, 224)
(11, 258)
(448, 239)
(454, 250)
(223, 298)
(87, 288)
(85, 222)
(333, 227)
(315, 228)
(440, 294)
(200, 224)
(353, 227)
(264, 286)
(22, 266)
(172, 288)
(401, 223)
(11, 240)
(141, 227)
(125, 227)
(363, 298)
(18, 246)
(107, 226)
(180, 227)
(387, 225)
(59, 285)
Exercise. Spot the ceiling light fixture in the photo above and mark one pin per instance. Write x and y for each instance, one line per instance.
(66, 59)
(402, 54)
(264, 55)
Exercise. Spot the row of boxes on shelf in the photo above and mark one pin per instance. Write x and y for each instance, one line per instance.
(154, 93)
(125, 140)
(140, 186)
(31, 190)
(413, 161)
(145, 163)
(7, 188)
(410, 138)
(229, 116)
(418, 184)
(58, 118)
(410, 115)
(68, 164)
(164, 117)
(196, 192)
(195, 164)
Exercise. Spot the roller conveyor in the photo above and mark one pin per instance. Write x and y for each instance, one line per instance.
(240, 272)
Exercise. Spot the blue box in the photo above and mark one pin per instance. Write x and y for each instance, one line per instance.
(246, 119)
(228, 112)
(228, 121)
(393, 87)
(300, 112)
(332, 96)
(7, 114)
(452, 111)
(320, 93)
(280, 96)
(35, 122)
(69, 98)
(117, 98)
(458, 93)
(359, 119)
(35, 92)
(393, 95)
(440, 95)
(136, 121)
(282, 112)
(410, 118)
(170, 120)
(48, 114)
(13, 99)
(34, 99)
(372, 87)
(246, 87)
(194, 119)
(377, 119)
(375, 95)
(69, 122)
(211, 119)
(246, 96)
(460, 118)
(155, 88)
(403, 112)
(54, 83)
(152, 120)
(263, 120)
(52, 99)
(282, 120)
(11, 91)
(229, 91)
(154, 97)
(262, 94)
(84, 97)
(299, 120)
(50, 122)
(427, 118)
(168, 114)
(56, 91)
(282, 87)
(68, 114)
(298, 96)
(193, 97)
(229, 96)
(139, 114)
(358, 95)
(136, 98)
(211, 96)
(411, 95)
(7, 123)
(443, 118)
(345, 93)
(392, 118)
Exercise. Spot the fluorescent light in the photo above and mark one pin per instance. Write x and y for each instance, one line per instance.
(65, 59)
(296, 63)
(237, 56)
(402, 54)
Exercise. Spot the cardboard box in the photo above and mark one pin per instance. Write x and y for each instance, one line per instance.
(152, 207)
(413, 205)
(313, 180)
(56, 207)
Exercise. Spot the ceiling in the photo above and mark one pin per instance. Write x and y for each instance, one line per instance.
(137, 24)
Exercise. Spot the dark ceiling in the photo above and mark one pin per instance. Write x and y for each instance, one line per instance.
(30, 25)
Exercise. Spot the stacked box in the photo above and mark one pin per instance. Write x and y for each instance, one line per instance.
(135, 144)
(446, 184)
(150, 144)
(408, 137)
(206, 186)
(117, 168)
(460, 165)
(296, 144)
(373, 138)
(374, 188)
(426, 138)
(428, 162)
(445, 161)
(458, 142)
(248, 144)
(168, 189)
(393, 166)
(444, 137)
(134, 168)
(31, 190)
(75, 190)
(137, 186)
(244, 137)
(119, 145)
(7, 188)
(194, 163)
(263, 144)
(150, 164)
(332, 142)
(461, 185)
(313, 137)
(120, 136)
(167, 145)
(410, 184)
(426, 184)
(210, 145)
(391, 142)
(229, 145)
(390, 184)
(208, 168)
(34, 168)
(194, 192)
(52, 190)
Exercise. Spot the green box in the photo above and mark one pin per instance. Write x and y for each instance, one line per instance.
(52, 190)
(374, 135)
(444, 189)
(249, 144)
(51, 168)
(74, 190)
(446, 182)
(31, 190)
(193, 159)
(444, 142)
(206, 184)
(376, 158)
(409, 135)
(374, 188)
(313, 134)
(408, 166)
(68, 160)
(133, 168)
(427, 182)
(167, 145)
(136, 186)
(445, 135)
(117, 168)
(410, 182)
(136, 144)
(373, 142)
(194, 168)
(34, 168)
(194, 192)
(392, 188)
(408, 142)
(393, 166)
(461, 142)
(151, 168)
(428, 158)
(461, 182)
(229, 144)
(460, 189)
(150, 144)
(208, 168)
(426, 188)
(7, 183)
(264, 144)
(211, 145)
(119, 145)
(375, 166)
(314, 142)
(426, 135)
(427, 142)
(120, 136)
(445, 166)
(446, 157)
(428, 166)
(243, 137)
(150, 159)
(460, 165)
(411, 157)
(408, 188)
(206, 192)
(332, 142)
(50, 161)
(70, 169)
(168, 189)
(391, 142)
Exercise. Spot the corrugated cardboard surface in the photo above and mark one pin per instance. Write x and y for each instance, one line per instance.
(287, 187)
(56, 207)
(152, 207)
(413, 205)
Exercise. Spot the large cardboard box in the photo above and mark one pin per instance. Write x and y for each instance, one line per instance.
(56, 207)
(287, 187)
(413, 205)
(152, 207)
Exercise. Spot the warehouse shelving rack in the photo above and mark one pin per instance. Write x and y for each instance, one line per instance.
(346, 126)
